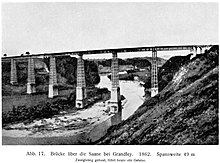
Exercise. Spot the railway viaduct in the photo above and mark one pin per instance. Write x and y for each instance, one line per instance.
(81, 84)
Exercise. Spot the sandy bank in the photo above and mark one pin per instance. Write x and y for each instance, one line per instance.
(69, 128)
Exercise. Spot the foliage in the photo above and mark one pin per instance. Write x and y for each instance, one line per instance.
(47, 110)
(184, 112)
(67, 67)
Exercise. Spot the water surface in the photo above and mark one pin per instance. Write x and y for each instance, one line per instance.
(132, 90)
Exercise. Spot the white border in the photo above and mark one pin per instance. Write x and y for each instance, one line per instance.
(204, 153)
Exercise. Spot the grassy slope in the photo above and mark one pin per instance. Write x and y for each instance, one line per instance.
(184, 112)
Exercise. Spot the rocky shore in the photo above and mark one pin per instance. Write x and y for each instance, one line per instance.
(64, 125)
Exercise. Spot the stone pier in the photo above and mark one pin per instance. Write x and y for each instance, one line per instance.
(200, 48)
(196, 50)
(115, 101)
(154, 71)
(81, 96)
(193, 51)
(31, 77)
(53, 89)
(13, 78)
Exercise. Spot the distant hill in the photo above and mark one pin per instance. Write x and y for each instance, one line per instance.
(160, 61)
(184, 112)
(139, 62)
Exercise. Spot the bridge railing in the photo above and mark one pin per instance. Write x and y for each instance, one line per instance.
(117, 50)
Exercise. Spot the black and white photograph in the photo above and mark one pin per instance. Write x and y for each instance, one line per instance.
(109, 73)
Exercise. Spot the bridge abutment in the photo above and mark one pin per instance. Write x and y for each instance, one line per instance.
(53, 86)
(81, 96)
(154, 76)
(31, 77)
(13, 77)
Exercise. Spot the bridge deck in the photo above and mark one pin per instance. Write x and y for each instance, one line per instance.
(118, 50)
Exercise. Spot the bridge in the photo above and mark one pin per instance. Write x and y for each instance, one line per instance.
(81, 96)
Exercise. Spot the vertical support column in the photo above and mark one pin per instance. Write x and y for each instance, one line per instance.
(196, 50)
(81, 83)
(13, 78)
(31, 77)
(97, 64)
(115, 102)
(154, 79)
(200, 50)
(53, 89)
(203, 50)
(193, 51)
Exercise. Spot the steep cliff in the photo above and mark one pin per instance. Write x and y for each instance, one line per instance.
(184, 112)
(167, 71)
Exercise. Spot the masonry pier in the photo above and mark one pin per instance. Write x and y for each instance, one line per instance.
(115, 100)
(53, 86)
(81, 96)
(31, 77)
(154, 78)
(13, 77)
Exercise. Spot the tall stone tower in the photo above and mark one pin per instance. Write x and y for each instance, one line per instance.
(53, 87)
(154, 71)
(81, 96)
(115, 102)
(31, 77)
(13, 77)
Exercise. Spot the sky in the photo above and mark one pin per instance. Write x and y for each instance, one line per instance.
(61, 27)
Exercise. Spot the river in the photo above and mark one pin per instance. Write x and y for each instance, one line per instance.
(131, 90)
(86, 125)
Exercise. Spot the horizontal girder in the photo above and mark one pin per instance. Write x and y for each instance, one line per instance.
(118, 50)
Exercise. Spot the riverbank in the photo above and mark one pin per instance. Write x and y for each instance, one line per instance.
(45, 109)
(131, 75)
(79, 126)
(60, 121)
(69, 128)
